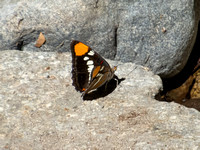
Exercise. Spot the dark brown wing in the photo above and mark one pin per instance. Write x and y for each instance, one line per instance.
(86, 65)
(80, 74)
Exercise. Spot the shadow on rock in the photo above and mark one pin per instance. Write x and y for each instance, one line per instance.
(104, 90)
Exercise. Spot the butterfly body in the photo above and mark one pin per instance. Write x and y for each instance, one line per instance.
(89, 70)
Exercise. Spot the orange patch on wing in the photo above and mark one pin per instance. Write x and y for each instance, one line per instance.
(80, 49)
(95, 72)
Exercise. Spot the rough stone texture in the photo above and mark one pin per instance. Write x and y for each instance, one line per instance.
(39, 109)
(157, 34)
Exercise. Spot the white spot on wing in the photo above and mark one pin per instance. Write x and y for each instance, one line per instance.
(86, 58)
(102, 67)
(90, 67)
(90, 62)
(91, 53)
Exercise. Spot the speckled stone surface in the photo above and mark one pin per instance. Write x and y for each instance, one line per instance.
(40, 109)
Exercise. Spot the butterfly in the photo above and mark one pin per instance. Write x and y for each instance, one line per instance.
(89, 70)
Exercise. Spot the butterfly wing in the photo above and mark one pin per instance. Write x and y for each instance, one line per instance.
(89, 69)
(80, 74)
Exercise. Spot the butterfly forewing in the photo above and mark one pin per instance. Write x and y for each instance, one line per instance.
(80, 74)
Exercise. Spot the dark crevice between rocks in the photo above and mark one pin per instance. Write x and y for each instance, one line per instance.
(178, 88)
(19, 45)
(115, 36)
(24, 39)
(115, 40)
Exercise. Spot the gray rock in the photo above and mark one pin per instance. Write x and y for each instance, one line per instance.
(40, 109)
(159, 35)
